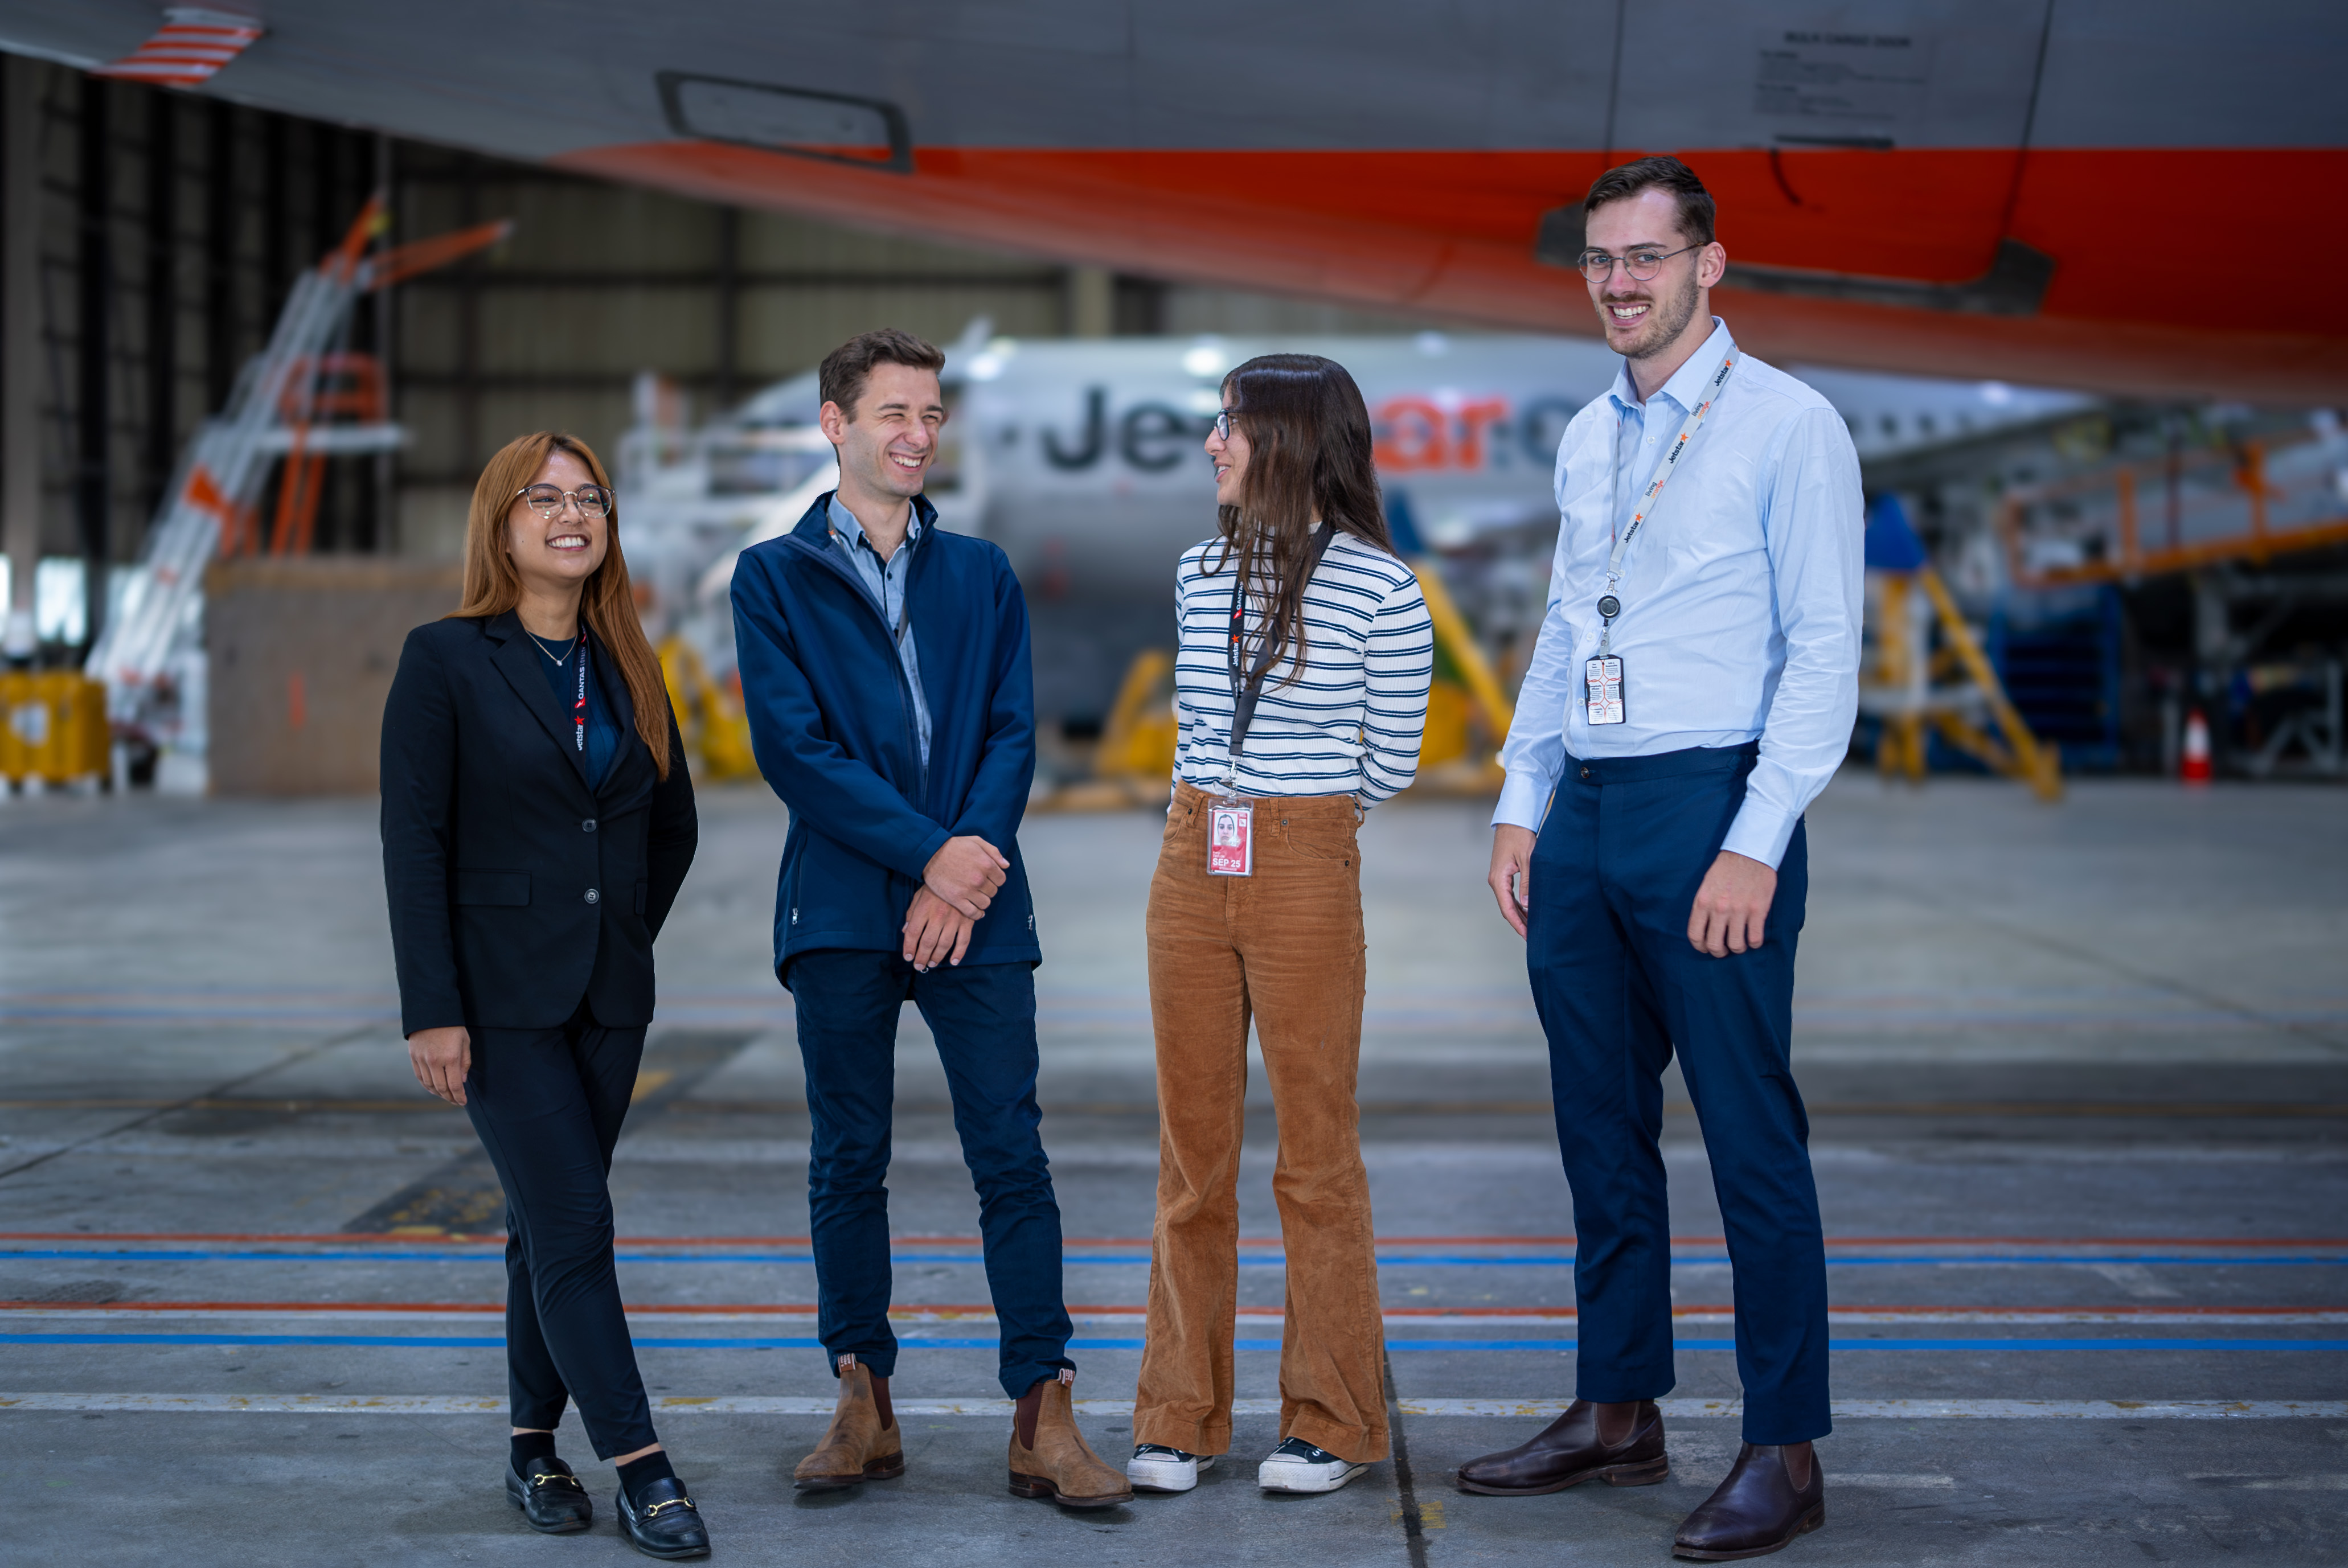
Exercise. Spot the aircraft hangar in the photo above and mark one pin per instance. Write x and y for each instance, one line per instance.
(276, 281)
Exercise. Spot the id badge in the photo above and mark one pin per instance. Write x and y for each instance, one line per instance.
(1230, 838)
(1601, 682)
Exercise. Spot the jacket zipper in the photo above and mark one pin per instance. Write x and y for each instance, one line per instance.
(896, 659)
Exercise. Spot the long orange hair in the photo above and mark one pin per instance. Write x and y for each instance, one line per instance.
(608, 606)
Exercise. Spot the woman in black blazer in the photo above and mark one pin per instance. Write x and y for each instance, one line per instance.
(536, 822)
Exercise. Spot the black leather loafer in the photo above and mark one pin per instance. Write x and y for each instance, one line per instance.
(669, 1526)
(550, 1497)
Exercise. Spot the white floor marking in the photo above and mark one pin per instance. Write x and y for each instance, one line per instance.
(1514, 1410)
(2281, 1482)
(1563, 1317)
(1888, 1481)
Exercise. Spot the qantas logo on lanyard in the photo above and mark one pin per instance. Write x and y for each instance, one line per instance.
(578, 707)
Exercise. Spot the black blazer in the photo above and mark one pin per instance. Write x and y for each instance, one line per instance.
(515, 889)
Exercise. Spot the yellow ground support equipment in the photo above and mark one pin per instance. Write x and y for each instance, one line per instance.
(56, 729)
(1908, 685)
(1137, 741)
(1465, 690)
(716, 731)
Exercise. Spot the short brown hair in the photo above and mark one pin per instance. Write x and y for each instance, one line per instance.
(1625, 180)
(845, 368)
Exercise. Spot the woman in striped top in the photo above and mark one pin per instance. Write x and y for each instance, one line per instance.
(1300, 703)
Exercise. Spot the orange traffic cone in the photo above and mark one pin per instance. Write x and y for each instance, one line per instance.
(2194, 767)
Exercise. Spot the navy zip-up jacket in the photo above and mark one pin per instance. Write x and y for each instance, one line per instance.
(831, 719)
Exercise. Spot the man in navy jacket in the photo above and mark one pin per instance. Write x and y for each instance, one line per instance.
(885, 670)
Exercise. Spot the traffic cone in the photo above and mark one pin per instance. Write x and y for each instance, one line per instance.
(2194, 767)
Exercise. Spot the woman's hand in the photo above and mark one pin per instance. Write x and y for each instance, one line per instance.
(441, 1058)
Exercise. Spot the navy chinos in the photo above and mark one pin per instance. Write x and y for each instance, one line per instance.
(983, 1017)
(1613, 874)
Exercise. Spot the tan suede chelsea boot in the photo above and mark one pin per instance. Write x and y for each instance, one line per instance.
(1049, 1457)
(863, 1441)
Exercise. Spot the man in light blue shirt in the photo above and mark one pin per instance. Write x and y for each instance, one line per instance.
(884, 579)
(1692, 691)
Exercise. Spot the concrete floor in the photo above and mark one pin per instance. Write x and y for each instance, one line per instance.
(2078, 1076)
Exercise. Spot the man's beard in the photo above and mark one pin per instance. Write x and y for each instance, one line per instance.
(1666, 322)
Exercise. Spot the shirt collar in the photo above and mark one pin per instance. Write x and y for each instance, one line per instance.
(851, 532)
(1686, 384)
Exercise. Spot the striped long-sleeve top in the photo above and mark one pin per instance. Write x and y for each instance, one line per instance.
(1351, 724)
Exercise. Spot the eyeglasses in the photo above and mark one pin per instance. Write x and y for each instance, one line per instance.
(1223, 424)
(593, 500)
(1643, 265)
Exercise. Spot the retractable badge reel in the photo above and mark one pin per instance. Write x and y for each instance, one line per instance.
(1602, 677)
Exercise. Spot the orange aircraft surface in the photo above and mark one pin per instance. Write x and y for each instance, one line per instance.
(2137, 196)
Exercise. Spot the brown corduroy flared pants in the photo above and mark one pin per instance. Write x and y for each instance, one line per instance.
(1284, 948)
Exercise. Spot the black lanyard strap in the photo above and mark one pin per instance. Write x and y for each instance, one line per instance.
(1245, 692)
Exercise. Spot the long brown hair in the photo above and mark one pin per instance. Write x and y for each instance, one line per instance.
(1308, 449)
(608, 605)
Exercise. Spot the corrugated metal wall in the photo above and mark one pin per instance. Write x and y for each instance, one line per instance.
(171, 225)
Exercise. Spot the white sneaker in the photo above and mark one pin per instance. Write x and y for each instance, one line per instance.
(1158, 1467)
(1297, 1466)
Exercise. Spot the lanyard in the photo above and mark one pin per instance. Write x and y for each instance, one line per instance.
(1609, 607)
(579, 708)
(1244, 693)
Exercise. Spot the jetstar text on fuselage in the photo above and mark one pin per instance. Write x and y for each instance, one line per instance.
(1414, 433)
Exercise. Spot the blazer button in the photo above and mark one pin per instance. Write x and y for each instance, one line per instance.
(588, 826)
(593, 895)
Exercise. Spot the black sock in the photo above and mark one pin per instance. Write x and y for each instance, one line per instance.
(529, 1448)
(639, 1473)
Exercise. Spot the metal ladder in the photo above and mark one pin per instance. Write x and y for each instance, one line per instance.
(272, 411)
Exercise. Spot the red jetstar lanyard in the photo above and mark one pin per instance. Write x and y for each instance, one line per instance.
(579, 708)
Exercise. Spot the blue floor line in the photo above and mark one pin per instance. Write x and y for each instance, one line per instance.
(477, 1342)
(1403, 1260)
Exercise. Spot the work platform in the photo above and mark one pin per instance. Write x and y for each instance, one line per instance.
(2078, 1079)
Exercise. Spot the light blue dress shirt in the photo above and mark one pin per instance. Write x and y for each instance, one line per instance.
(1741, 594)
(885, 581)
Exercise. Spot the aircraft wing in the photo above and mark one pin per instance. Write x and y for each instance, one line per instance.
(2052, 192)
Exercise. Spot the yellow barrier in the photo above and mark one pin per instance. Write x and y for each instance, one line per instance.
(1448, 709)
(715, 730)
(1138, 741)
(54, 728)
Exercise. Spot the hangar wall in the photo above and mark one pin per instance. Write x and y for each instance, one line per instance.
(161, 232)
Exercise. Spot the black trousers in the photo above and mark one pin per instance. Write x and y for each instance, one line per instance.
(548, 1104)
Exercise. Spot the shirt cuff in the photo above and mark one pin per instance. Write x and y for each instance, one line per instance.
(1761, 832)
(1524, 801)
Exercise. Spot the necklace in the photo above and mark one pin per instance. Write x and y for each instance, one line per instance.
(540, 641)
